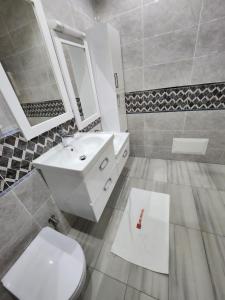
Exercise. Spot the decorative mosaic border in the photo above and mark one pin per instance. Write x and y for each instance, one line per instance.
(186, 98)
(79, 107)
(51, 108)
(17, 154)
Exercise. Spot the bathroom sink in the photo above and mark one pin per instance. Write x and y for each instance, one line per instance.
(81, 176)
(89, 143)
(79, 156)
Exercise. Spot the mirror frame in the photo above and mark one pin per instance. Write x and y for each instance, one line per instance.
(62, 60)
(11, 98)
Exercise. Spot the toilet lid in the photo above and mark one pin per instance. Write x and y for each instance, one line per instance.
(50, 268)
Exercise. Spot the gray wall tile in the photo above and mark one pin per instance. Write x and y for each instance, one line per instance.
(12, 216)
(44, 213)
(160, 129)
(16, 14)
(3, 28)
(6, 46)
(136, 150)
(205, 120)
(211, 38)
(208, 69)
(33, 192)
(12, 250)
(166, 48)
(133, 80)
(136, 122)
(216, 138)
(213, 155)
(129, 25)
(61, 10)
(165, 37)
(81, 21)
(137, 137)
(158, 152)
(132, 55)
(108, 8)
(212, 10)
(165, 16)
(84, 6)
(26, 37)
(160, 138)
(172, 74)
(164, 121)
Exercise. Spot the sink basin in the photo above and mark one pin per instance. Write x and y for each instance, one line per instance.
(88, 144)
(84, 145)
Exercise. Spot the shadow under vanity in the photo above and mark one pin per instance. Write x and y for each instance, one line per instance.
(58, 87)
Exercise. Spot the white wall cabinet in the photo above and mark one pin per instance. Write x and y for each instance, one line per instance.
(105, 51)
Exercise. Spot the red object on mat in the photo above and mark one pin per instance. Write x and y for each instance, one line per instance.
(138, 226)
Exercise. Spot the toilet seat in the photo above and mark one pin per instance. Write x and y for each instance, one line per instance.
(52, 267)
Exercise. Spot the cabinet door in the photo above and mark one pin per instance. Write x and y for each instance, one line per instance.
(115, 46)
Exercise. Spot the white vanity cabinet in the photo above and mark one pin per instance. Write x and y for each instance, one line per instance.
(83, 187)
(105, 51)
(84, 194)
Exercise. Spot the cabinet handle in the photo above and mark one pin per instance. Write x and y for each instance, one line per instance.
(125, 153)
(118, 100)
(107, 184)
(116, 80)
(103, 164)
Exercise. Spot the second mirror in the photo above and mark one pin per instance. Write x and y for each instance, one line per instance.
(77, 71)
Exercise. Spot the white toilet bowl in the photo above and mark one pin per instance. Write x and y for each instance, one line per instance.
(52, 267)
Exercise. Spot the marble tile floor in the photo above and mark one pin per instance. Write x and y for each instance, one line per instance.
(197, 235)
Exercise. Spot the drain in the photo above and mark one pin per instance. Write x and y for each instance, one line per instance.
(83, 157)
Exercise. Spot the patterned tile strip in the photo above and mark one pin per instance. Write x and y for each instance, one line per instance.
(17, 154)
(51, 108)
(197, 97)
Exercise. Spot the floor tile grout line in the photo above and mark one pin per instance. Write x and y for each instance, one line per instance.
(199, 230)
(208, 266)
(126, 284)
(142, 292)
(212, 233)
(113, 278)
(178, 184)
(103, 240)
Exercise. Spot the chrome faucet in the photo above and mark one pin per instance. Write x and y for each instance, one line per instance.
(64, 135)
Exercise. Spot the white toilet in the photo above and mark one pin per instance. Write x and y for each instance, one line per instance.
(52, 267)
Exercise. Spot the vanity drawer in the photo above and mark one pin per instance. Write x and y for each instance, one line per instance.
(122, 157)
(97, 176)
(99, 205)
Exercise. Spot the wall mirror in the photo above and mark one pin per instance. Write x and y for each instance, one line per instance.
(76, 67)
(30, 75)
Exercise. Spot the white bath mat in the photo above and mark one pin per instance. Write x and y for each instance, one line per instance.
(143, 234)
